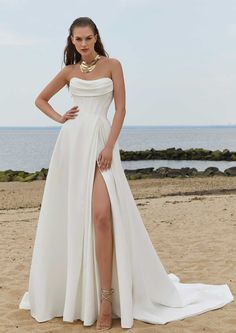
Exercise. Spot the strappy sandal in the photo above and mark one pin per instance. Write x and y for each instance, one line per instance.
(106, 295)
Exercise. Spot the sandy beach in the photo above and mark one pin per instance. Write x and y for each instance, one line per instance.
(191, 222)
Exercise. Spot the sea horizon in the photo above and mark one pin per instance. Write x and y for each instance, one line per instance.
(124, 126)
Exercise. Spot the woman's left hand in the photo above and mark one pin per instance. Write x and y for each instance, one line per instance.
(105, 158)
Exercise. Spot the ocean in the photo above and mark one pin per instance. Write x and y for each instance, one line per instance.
(30, 148)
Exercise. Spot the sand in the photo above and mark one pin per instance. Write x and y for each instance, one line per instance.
(191, 222)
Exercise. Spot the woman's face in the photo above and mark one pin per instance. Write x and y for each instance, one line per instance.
(84, 40)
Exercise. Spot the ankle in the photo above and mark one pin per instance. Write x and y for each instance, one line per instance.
(106, 294)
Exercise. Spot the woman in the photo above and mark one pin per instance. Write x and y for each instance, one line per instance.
(90, 235)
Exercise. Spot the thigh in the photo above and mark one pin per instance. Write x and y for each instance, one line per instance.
(100, 198)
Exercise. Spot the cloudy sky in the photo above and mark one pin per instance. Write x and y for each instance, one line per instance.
(178, 58)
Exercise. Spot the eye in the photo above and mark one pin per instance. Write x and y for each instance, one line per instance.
(78, 38)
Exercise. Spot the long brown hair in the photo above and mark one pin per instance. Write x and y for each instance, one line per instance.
(71, 55)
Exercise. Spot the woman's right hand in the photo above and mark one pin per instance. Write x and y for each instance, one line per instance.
(70, 114)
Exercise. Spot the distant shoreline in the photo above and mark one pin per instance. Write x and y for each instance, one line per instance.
(125, 126)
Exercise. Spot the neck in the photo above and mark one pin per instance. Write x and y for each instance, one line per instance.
(89, 58)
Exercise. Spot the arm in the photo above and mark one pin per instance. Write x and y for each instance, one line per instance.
(105, 156)
(120, 100)
(57, 83)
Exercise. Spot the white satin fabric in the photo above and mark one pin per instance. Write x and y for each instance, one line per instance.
(64, 278)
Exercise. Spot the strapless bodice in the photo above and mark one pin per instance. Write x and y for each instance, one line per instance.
(80, 87)
(92, 96)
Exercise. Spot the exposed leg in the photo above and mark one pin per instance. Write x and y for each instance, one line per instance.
(102, 219)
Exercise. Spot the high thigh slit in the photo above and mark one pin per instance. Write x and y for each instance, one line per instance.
(100, 174)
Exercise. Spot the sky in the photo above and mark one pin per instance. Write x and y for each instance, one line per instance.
(178, 58)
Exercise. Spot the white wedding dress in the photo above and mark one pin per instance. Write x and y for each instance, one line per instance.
(64, 277)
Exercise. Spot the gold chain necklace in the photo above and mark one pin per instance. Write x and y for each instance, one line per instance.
(88, 68)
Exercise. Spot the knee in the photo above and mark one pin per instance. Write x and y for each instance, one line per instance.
(102, 221)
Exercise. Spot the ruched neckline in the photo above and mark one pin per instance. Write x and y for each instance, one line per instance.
(101, 78)
(81, 87)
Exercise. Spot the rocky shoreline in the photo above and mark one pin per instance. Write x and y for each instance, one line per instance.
(179, 154)
(162, 172)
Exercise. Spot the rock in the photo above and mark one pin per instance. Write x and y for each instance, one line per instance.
(145, 170)
(189, 171)
(230, 171)
(5, 178)
(41, 176)
(211, 171)
(18, 178)
(134, 176)
(31, 177)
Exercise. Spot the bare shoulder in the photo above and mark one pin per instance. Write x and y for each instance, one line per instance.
(112, 62)
(68, 67)
(67, 70)
(115, 62)
(116, 69)
(64, 73)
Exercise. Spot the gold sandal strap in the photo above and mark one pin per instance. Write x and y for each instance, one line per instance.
(106, 294)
